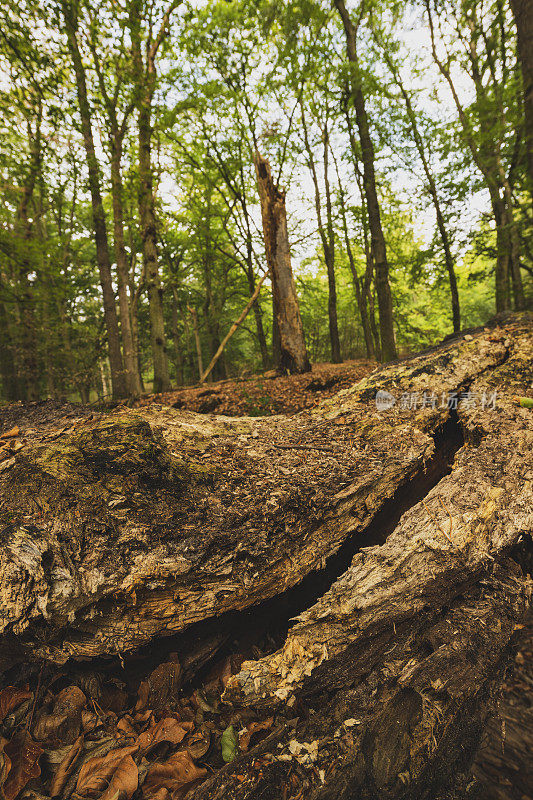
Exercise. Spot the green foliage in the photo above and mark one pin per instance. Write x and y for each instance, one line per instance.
(232, 77)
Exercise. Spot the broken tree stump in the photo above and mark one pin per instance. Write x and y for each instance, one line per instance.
(386, 544)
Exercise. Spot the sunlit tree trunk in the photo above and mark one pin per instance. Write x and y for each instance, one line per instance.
(379, 250)
(326, 232)
(145, 86)
(99, 223)
(432, 187)
(523, 14)
(8, 370)
(133, 381)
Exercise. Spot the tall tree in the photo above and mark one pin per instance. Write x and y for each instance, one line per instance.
(523, 14)
(423, 154)
(146, 82)
(379, 249)
(325, 229)
(118, 383)
(487, 128)
(116, 131)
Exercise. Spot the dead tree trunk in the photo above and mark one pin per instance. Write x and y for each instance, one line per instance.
(278, 255)
(375, 537)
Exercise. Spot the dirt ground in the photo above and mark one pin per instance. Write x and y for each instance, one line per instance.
(262, 395)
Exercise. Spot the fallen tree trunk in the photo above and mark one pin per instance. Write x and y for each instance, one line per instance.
(389, 533)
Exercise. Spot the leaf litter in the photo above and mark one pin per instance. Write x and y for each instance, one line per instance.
(85, 735)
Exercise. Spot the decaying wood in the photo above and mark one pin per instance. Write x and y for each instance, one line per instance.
(294, 357)
(401, 568)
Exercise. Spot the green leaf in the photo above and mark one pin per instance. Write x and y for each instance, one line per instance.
(526, 402)
(229, 744)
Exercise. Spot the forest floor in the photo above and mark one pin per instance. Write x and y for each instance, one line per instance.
(77, 736)
(266, 394)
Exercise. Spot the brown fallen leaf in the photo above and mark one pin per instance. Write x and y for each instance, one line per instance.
(24, 755)
(96, 773)
(64, 722)
(177, 775)
(167, 730)
(124, 782)
(161, 688)
(125, 727)
(5, 764)
(10, 434)
(66, 767)
(251, 729)
(198, 742)
(89, 720)
(10, 698)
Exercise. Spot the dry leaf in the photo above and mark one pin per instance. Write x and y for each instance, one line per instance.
(125, 727)
(64, 722)
(24, 755)
(161, 688)
(124, 782)
(198, 743)
(10, 434)
(66, 767)
(96, 773)
(167, 730)
(176, 775)
(5, 764)
(251, 729)
(10, 698)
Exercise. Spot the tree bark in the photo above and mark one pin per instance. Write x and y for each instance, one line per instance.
(8, 370)
(146, 80)
(294, 357)
(383, 543)
(327, 236)
(432, 187)
(99, 222)
(523, 14)
(379, 250)
(133, 381)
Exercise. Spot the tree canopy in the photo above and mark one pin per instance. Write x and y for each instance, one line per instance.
(135, 229)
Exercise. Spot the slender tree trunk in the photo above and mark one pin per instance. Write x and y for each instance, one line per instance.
(359, 296)
(194, 317)
(379, 250)
(491, 174)
(523, 14)
(8, 371)
(336, 356)
(514, 246)
(146, 79)
(294, 357)
(242, 316)
(441, 225)
(149, 240)
(178, 349)
(99, 224)
(503, 251)
(327, 236)
(276, 340)
(133, 382)
(261, 338)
